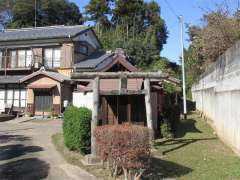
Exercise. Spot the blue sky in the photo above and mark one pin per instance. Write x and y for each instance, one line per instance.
(191, 10)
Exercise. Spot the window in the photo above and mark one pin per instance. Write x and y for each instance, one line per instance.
(15, 97)
(22, 98)
(28, 58)
(24, 58)
(20, 58)
(83, 49)
(2, 100)
(52, 57)
(13, 58)
(9, 97)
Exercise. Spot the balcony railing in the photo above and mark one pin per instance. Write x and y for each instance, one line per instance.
(27, 62)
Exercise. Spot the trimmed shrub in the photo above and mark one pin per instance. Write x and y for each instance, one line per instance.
(126, 147)
(77, 128)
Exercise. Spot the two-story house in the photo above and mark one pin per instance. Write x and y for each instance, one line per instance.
(36, 66)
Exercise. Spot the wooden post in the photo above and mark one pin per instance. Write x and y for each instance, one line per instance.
(123, 83)
(148, 103)
(95, 113)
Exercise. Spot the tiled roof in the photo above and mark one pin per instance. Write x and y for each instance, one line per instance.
(102, 61)
(93, 60)
(42, 32)
(55, 75)
(10, 79)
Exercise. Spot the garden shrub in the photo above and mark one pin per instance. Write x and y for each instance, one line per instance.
(166, 130)
(126, 147)
(171, 114)
(77, 128)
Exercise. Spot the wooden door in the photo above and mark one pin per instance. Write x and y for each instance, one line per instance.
(43, 101)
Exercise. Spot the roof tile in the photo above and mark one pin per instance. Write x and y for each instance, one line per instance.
(42, 32)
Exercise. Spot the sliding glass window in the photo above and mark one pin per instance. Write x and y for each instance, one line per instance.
(14, 97)
(52, 57)
(13, 59)
(20, 58)
(23, 97)
(2, 99)
(24, 58)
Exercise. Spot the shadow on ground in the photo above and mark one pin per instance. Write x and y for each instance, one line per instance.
(183, 127)
(12, 151)
(165, 169)
(8, 138)
(27, 169)
(179, 142)
(15, 130)
(186, 126)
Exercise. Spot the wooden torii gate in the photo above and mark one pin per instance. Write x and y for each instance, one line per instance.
(123, 76)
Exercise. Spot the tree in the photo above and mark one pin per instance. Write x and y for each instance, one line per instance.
(166, 66)
(130, 14)
(98, 11)
(135, 26)
(5, 11)
(156, 23)
(51, 12)
(220, 31)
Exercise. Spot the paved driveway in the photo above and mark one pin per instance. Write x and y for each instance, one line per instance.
(26, 152)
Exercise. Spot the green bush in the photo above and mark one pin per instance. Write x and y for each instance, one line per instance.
(166, 130)
(172, 115)
(77, 128)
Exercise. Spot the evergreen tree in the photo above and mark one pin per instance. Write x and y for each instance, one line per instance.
(137, 27)
(50, 12)
(98, 11)
(5, 11)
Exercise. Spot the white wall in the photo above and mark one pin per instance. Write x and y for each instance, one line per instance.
(217, 95)
(81, 99)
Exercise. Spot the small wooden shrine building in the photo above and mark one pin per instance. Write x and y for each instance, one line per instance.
(120, 97)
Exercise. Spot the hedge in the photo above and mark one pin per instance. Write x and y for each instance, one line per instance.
(77, 129)
(126, 147)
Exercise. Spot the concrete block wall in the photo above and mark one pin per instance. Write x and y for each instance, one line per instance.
(217, 96)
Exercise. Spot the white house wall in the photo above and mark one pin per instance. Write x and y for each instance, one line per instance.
(81, 99)
(217, 96)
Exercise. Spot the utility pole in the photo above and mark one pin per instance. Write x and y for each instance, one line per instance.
(183, 70)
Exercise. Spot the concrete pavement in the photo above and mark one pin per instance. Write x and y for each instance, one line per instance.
(26, 152)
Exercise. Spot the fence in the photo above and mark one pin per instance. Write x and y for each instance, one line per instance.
(217, 96)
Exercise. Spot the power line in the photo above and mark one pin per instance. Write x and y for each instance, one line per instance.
(171, 9)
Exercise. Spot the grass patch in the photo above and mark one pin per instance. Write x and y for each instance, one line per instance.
(75, 158)
(198, 153)
(195, 154)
